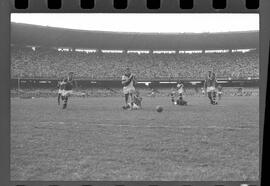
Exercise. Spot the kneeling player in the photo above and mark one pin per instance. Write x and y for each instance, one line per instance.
(137, 101)
(209, 85)
(68, 83)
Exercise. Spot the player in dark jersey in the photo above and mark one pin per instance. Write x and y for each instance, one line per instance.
(60, 87)
(210, 86)
(68, 84)
(219, 91)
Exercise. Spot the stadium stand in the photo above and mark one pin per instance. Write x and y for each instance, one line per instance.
(52, 63)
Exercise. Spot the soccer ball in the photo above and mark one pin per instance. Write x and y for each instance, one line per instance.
(159, 108)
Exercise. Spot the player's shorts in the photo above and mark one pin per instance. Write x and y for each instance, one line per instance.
(136, 106)
(129, 90)
(210, 89)
(180, 91)
(66, 92)
(60, 91)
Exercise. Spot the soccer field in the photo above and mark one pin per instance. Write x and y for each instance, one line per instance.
(95, 139)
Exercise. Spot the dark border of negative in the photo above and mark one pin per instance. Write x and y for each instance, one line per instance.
(106, 6)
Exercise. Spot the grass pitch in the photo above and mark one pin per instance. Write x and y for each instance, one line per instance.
(94, 139)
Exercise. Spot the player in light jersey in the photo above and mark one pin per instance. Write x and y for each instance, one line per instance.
(219, 91)
(152, 93)
(203, 91)
(137, 99)
(210, 86)
(128, 81)
(177, 96)
(180, 91)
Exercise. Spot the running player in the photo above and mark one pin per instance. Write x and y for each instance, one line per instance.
(68, 84)
(209, 85)
(128, 81)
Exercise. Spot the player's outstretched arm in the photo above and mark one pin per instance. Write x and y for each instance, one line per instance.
(134, 79)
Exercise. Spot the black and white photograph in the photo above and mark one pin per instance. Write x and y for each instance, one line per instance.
(134, 97)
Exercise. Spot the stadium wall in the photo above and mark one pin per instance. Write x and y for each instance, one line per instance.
(36, 83)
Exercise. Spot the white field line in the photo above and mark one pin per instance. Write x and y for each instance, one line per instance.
(247, 127)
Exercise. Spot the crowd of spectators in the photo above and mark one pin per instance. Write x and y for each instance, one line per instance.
(52, 63)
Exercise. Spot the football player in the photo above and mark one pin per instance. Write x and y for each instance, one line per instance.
(68, 84)
(137, 101)
(203, 91)
(180, 91)
(60, 87)
(128, 81)
(210, 86)
(152, 93)
(219, 91)
(172, 95)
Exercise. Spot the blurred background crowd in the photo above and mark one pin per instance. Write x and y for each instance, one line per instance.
(52, 63)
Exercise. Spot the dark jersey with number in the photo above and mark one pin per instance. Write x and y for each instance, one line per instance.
(210, 80)
(68, 84)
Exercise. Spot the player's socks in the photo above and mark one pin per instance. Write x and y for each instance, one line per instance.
(210, 97)
(214, 96)
(65, 102)
(173, 101)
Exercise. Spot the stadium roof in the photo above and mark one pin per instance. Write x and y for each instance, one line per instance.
(25, 34)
